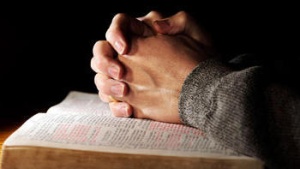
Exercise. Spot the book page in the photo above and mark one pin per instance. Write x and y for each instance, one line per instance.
(83, 122)
(112, 134)
(81, 103)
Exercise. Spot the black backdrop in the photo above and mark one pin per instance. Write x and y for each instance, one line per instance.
(45, 48)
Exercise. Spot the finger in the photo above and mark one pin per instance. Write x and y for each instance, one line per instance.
(104, 61)
(120, 109)
(182, 23)
(98, 80)
(104, 97)
(110, 87)
(107, 98)
(121, 28)
(150, 18)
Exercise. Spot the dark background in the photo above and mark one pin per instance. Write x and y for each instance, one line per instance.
(45, 48)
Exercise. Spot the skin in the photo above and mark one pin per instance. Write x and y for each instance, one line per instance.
(144, 78)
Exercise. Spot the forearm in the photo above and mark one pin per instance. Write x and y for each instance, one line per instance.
(244, 110)
(212, 101)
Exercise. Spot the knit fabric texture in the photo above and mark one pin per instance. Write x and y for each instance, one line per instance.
(243, 110)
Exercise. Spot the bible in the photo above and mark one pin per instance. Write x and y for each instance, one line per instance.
(80, 132)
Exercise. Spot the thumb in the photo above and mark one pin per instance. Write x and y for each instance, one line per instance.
(182, 23)
(121, 30)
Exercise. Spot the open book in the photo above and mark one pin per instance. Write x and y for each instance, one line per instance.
(80, 132)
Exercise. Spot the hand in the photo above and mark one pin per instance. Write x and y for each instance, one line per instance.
(156, 68)
(123, 27)
(104, 61)
(180, 23)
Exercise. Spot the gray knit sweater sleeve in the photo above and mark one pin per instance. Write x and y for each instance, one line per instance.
(243, 111)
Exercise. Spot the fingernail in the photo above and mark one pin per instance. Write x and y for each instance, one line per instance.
(120, 109)
(117, 90)
(124, 110)
(113, 71)
(119, 47)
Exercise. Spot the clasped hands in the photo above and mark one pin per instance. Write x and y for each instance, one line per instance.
(141, 66)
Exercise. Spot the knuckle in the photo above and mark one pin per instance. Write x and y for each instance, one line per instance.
(119, 16)
(102, 97)
(109, 33)
(116, 21)
(96, 46)
(99, 81)
(183, 15)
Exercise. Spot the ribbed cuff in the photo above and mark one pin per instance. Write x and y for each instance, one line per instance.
(194, 100)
